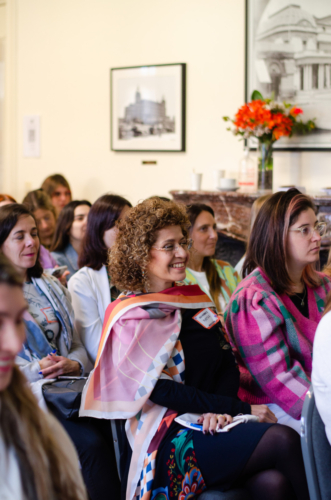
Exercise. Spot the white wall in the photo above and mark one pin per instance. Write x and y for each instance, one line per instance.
(61, 55)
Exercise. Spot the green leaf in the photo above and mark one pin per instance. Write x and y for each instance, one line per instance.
(182, 443)
(226, 118)
(256, 95)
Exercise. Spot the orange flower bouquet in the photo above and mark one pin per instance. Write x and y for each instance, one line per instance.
(268, 121)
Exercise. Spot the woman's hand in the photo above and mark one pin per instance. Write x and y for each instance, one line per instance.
(46, 362)
(63, 278)
(212, 422)
(264, 414)
(60, 366)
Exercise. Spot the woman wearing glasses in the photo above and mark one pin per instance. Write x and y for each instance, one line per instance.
(162, 352)
(273, 315)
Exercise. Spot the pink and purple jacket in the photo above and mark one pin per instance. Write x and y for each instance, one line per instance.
(273, 341)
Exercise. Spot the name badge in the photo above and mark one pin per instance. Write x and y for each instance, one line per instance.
(206, 318)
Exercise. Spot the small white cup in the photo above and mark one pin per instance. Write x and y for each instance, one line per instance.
(196, 180)
(218, 175)
(228, 183)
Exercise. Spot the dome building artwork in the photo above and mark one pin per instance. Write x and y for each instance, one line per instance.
(292, 56)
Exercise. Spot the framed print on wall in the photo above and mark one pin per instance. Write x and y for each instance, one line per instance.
(288, 55)
(148, 108)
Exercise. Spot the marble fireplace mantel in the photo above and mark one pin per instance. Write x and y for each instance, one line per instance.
(232, 210)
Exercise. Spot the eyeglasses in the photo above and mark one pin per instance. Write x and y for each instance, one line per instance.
(307, 231)
(171, 248)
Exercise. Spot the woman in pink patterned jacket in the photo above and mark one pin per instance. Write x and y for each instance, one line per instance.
(273, 314)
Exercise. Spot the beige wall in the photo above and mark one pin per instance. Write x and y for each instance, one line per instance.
(60, 53)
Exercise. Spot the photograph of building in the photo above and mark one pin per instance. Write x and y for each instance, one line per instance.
(290, 56)
(145, 118)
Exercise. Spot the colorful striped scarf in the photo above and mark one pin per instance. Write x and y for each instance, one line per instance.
(139, 345)
(228, 276)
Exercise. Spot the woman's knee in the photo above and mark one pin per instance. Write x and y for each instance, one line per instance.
(270, 484)
(284, 441)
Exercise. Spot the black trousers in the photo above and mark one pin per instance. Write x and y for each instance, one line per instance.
(93, 441)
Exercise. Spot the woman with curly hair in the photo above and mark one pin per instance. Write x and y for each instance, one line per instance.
(163, 353)
(37, 459)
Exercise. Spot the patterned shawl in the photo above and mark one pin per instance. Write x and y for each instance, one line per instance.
(36, 344)
(139, 345)
(228, 275)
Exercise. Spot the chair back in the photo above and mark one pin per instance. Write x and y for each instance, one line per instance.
(316, 450)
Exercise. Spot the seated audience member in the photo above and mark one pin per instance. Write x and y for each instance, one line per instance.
(46, 260)
(141, 370)
(321, 375)
(216, 278)
(273, 315)
(39, 204)
(69, 233)
(58, 189)
(6, 199)
(52, 346)
(91, 288)
(37, 459)
(254, 211)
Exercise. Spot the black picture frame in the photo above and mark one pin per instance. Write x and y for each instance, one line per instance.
(148, 108)
(282, 51)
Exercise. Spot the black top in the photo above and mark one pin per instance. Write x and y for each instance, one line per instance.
(211, 373)
(300, 300)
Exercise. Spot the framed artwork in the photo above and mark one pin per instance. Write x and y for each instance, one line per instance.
(148, 108)
(288, 56)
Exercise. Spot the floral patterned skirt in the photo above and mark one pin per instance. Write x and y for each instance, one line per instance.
(188, 461)
(177, 469)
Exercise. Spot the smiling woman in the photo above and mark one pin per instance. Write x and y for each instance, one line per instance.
(273, 315)
(218, 279)
(163, 352)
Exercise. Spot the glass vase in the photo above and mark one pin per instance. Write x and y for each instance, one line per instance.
(265, 166)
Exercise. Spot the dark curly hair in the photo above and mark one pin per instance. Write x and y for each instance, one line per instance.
(137, 233)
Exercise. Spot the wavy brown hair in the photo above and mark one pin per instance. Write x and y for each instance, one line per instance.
(38, 199)
(137, 233)
(52, 182)
(46, 472)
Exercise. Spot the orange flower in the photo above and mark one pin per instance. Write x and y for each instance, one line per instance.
(296, 111)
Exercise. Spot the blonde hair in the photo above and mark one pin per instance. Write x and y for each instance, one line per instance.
(46, 472)
(38, 199)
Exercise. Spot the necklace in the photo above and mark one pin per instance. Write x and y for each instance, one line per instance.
(302, 298)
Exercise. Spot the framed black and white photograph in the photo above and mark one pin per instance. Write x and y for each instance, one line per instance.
(148, 108)
(288, 56)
